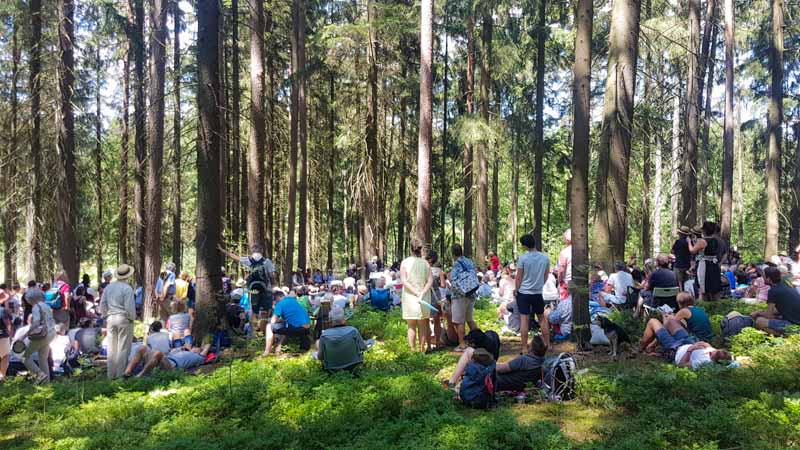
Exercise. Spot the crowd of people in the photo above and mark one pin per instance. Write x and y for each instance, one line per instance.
(46, 328)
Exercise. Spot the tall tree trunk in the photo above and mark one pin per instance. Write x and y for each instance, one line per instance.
(727, 136)
(538, 164)
(297, 14)
(794, 232)
(401, 202)
(515, 196)
(423, 224)
(676, 163)
(705, 155)
(481, 160)
(444, 194)
(739, 173)
(140, 125)
(370, 201)
(32, 225)
(469, 99)
(302, 134)
(612, 179)
(579, 186)
(10, 184)
(706, 47)
(177, 240)
(209, 220)
(658, 197)
(774, 125)
(122, 249)
(99, 241)
(331, 166)
(271, 190)
(155, 142)
(68, 210)
(258, 131)
(688, 214)
(236, 153)
(646, 154)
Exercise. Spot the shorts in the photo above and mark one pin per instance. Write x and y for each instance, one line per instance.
(285, 330)
(673, 341)
(779, 325)
(260, 301)
(530, 303)
(177, 343)
(5, 347)
(461, 309)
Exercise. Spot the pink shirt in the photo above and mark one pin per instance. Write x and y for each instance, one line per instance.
(565, 263)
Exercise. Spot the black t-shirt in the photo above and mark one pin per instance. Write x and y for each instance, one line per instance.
(662, 278)
(683, 256)
(787, 300)
(524, 369)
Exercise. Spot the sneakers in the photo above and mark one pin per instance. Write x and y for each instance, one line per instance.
(42, 378)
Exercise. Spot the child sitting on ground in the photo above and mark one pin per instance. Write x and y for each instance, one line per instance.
(179, 325)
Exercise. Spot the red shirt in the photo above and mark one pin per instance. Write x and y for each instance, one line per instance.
(495, 261)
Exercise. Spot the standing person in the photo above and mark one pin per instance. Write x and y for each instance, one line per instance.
(182, 286)
(61, 315)
(6, 332)
(707, 250)
(564, 267)
(417, 279)
(437, 299)
(165, 291)
(461, 306)
(118, 306)
(682, 257)
(259, 281)
(41, 317)
(532, 270)
(494, 263)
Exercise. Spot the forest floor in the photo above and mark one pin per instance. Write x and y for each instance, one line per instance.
(397, 402)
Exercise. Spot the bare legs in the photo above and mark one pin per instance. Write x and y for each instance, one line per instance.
(271, 336)
(461, 366)
(418, 332)
(653, 325)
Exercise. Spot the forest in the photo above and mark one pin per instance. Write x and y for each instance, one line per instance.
(333, 132)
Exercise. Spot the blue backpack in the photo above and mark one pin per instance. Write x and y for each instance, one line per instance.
(733, 326)
(53, 298)
(478, 386)
(379, 299)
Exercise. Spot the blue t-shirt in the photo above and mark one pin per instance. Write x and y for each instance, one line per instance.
(160, 284)
(379, 299)
(534, 265)
(292, 313)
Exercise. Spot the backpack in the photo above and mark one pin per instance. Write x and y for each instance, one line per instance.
(466, 283)
(558, 378)
(52, 298)
(477, 387)
(734, 325)
(259, 279)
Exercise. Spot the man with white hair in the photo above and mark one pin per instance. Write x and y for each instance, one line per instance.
(341, 347)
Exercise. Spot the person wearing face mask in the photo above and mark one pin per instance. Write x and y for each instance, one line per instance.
(259, 280)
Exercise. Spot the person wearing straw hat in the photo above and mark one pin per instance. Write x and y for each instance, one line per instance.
(118, 307)
(681, 256)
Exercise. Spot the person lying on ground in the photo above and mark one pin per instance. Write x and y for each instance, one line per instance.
(158, 339)
(340, 347)
(184, 358)
(670, 335)
(517, 373)
(694, 356)
(783, 305)
(288, 319)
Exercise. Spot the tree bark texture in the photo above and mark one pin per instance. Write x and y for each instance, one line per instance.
(481, 158)
(258, 131)
(688, 214)
(538, 170)
(774, 126)
(177, 240)
(425, 137)
(728, 135)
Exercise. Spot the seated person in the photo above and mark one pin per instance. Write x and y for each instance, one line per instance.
(618, 284)
(341, 346)
(86, 337)
(288, 319)
(516, 374)
(340, 300)
(157, 339)
(380, 297)
(561, 317)
(596, 287)
(670, 335)
(180, 358)
(662, 277)
(783, 305)
(693, 356)
(179, 325)
(509, 313)
(484, 289)
(694, 317)
(59, 349)
(550, 289)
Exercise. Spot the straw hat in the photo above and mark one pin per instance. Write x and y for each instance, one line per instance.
(684, 231)
(123, 272)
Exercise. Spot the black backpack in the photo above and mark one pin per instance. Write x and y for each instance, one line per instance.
(478, 386)
(259, 279)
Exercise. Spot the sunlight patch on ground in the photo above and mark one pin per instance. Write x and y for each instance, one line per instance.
(577, 421)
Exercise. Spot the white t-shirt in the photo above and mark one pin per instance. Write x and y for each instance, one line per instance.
(550, 290)
(621, 281)
(698, 357)
(58, 350)
(565, 263)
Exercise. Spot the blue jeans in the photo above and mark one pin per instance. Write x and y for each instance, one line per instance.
(673, 341)
(177, 343)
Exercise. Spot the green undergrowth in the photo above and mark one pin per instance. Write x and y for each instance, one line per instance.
(397, 402)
